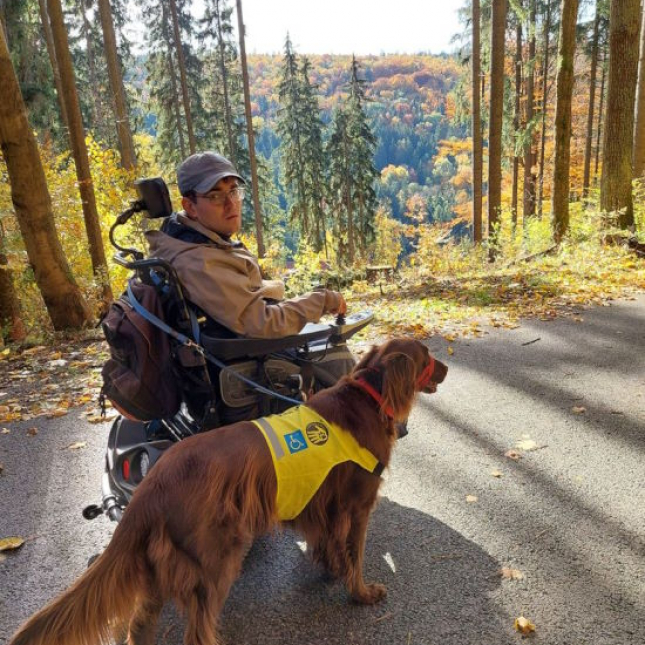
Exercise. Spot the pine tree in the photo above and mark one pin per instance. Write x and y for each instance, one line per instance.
(166, 92)
(314, 160)
(291, 128)
(341, 185)
(362, 162)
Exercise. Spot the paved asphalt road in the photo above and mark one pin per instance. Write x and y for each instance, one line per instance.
(569, 515)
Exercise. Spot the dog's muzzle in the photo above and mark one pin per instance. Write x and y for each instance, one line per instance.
(433, 374)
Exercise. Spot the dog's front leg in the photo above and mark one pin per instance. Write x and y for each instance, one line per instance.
(366, 594)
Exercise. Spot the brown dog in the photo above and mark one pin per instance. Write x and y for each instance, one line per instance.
(189, 525)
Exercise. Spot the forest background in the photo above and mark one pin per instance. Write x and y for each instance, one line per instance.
(353, 162)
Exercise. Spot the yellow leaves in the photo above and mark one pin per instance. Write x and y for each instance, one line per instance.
(11, 543)
(497, 474)
(5, 353)
(578, 409)
(524, 626)
(471, 499)
(77, 445)
(508, 573)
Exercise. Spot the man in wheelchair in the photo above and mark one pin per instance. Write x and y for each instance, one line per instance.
(220, 275)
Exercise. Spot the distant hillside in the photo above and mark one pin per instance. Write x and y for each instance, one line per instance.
(409, 97)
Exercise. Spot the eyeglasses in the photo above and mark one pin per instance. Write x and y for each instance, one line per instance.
(219, 197)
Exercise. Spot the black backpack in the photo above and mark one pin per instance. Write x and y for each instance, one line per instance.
(138, 378)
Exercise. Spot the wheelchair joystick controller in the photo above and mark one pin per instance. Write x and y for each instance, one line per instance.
(340, 319)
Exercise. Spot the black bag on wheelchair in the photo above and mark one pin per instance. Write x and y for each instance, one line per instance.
(138, 378)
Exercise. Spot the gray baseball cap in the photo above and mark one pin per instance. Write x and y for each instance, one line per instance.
(201, 171)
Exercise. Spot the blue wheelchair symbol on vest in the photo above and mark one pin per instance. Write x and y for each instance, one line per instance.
(295, 441)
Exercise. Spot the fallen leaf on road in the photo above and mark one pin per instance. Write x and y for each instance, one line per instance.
(1, 468)
(32, 432)
(11, 543)
(77, 445)
(58, 412)
(526, 445)
(471, 498)
(5, 431)
(497, 473)
(578, 409)
(451, 351)
(511, 574)
(513, 454)
(524, 625)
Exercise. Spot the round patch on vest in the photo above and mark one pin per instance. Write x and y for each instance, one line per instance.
(317, 433)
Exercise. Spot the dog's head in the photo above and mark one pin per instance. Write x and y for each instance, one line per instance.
(406, 367)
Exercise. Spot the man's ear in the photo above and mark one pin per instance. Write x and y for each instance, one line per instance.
(189, 207)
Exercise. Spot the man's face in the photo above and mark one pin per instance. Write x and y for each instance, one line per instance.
(224, 218)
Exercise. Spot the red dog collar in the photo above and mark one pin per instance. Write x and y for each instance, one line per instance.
(366, 387)
(421, 383)
(426, 375)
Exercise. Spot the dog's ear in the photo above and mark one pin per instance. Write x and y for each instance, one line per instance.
(364, 362)
(398, 385)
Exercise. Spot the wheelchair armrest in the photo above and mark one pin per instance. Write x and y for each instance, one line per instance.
(227, 349)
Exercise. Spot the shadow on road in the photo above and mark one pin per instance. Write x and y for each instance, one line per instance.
(438, 584)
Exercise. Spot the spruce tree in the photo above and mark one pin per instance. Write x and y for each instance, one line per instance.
(291, 128)
(364, 172)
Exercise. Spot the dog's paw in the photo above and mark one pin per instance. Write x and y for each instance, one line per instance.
(370, 594)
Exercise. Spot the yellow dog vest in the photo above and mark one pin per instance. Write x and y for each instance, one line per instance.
(304, 448)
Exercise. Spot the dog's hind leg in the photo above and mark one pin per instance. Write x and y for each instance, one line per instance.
(143, 624)
(203, 607)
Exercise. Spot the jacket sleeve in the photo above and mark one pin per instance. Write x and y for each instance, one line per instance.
(227, 294)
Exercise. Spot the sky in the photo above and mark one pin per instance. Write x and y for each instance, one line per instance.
(358, 27)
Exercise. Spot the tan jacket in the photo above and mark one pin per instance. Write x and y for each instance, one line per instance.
(224, 280)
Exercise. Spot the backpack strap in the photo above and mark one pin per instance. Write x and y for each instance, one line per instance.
(184, 340)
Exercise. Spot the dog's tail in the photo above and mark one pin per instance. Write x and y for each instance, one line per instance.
(96, 607)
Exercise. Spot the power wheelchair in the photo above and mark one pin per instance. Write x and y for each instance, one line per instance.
(223, 378)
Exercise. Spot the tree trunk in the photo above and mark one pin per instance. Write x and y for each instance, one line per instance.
(120, 108)
(545, 92)
(259, 228)
(564, 92)
(79, 149)
(616, 178)
(516, 117)
(639, 129)
(183, 77)
(592, 102)
(600, 113)
(232, 148)
(477, 126)
(498, 28)
(98, 122)
(528, 209)
(11, 325)
(32, 205)
(49, 41)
